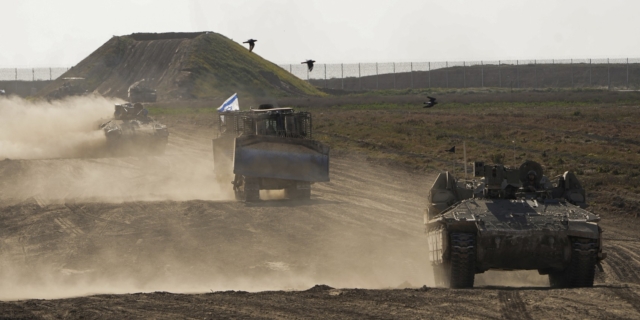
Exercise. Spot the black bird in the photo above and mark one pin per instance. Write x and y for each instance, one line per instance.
(452, 150)
(252, 43)
(309, 64)
(432, 102)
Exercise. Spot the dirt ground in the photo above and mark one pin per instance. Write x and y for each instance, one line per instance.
(158, 237)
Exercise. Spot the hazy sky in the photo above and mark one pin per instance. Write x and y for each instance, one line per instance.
(61, 33)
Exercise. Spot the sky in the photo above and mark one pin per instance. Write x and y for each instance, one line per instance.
(61, 33)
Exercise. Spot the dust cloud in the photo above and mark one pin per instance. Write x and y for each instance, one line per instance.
(58, 129)
(145, 266)
(53, 152)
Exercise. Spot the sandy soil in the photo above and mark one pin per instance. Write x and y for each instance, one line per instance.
(88, 235)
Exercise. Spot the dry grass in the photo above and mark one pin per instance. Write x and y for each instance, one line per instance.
(593, 133)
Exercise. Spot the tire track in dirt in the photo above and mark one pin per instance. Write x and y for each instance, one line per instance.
(620, 266)
(10, 310)
(626, 294)
(68, 226)
(512, 306)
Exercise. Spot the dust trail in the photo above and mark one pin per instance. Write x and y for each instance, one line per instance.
(59, 129)
(55, 153)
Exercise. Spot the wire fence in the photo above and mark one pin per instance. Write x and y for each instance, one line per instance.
(565, 73)
(31, 74)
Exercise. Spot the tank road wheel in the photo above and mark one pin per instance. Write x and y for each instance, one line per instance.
(582, 267)
(251, 189)
(461, 269)
(300, 191)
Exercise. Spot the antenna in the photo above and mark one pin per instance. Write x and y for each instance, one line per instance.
(464, 151)
(515, 163)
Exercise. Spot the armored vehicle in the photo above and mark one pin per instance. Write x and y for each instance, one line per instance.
(131, 131)
(269, 149)
(512, 219)
(66, 90)
(138, 92)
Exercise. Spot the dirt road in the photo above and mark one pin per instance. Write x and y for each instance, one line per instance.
(117, 226)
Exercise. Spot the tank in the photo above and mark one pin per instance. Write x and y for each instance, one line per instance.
(67, 89)
(269, 149)
(139, 92)
(132, 131)
(512, 219)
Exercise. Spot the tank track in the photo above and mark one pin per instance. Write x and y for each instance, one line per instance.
(246, 189)
(462, 265)
(251, 190)
(581, 269)
(303, 193)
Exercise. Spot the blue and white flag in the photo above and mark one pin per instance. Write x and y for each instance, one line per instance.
(231, 104)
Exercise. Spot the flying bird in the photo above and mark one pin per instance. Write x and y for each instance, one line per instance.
(432, 102)
(309, 64)
(252, 43)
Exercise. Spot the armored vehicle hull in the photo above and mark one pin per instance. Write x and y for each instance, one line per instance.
(139, 92)
(269, 149)
(132, 132)
(493, 224)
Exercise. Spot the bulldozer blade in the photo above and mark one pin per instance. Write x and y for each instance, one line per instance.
(281, 158)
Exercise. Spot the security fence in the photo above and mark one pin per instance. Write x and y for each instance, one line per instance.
(567, 73)
(30, 74)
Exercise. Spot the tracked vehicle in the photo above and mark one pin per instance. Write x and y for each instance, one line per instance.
(512, 219)
(139, 92)
(269, 149)
(131, 131)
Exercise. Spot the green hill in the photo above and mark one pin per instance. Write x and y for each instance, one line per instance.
(181, 66)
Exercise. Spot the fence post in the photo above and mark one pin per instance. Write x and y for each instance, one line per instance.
(16, 74)
(33, 74)
(571, 69)
(342, 74)
(589, 72)
(51, 78)
(464, 74)
(499, 75)
(608, 75)
(553, 62)
(325, 75)
(359, 76)
(517, 75)
(411, 66)
(290, 69)
(627, 73)
(429, 74)
(481, 74)
(377, 80)
(394, 75)
(535, 73)
(446, 74)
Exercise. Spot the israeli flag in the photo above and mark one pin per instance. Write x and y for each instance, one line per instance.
(231, 104)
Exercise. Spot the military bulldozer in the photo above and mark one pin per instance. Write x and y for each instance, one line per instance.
(269, 149)
(512, 219)
(132, 131)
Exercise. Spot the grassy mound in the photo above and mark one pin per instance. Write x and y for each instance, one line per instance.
(181, 66)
